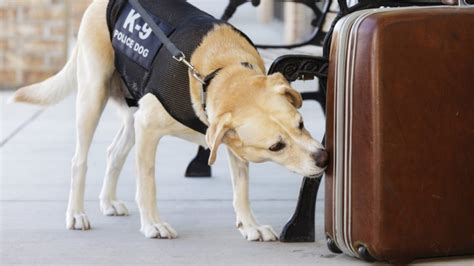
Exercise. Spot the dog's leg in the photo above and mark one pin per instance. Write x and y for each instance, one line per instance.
(149, 129)
(90, 103)
(246, 222)
(95, 67)
(116, 155)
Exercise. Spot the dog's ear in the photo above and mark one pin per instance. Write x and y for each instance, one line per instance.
(282, 86)
(293, 96)
(215, 134)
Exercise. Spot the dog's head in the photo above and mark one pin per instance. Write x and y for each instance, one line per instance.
(261, 122)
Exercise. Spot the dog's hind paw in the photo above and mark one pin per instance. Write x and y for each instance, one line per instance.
(78, 221)
(159, 230)
(263, 233)
(113, 208)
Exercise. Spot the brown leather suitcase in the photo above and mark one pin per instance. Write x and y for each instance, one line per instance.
(400, 131)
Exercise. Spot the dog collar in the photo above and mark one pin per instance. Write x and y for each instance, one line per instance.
(208, 79)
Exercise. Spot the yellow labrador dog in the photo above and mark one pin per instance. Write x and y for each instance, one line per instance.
(253, 114)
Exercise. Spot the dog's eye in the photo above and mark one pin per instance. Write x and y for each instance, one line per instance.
(301, 125)
(277, 146)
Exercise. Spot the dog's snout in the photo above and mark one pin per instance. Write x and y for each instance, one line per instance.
(321, 157)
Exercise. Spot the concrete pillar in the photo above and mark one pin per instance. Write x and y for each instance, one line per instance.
(297, 19)
(265, 11)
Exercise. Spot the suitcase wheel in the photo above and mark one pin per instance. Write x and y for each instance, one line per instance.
(364, 253)
(332, 245)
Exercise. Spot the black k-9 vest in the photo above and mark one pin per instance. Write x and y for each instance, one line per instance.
(147, 67)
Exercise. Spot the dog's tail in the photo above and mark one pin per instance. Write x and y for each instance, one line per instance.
(53, 89)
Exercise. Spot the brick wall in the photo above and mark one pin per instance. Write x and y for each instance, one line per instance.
(35, 37)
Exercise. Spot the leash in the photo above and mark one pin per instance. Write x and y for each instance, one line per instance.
(177, 54)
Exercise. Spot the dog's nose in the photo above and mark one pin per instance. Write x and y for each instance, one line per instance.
(321, 157)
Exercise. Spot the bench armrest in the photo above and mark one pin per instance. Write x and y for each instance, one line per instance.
(304, 67)
(233, 5)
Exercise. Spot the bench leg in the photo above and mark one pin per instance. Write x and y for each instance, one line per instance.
(198, 166)
(318, 96)
(300, 227)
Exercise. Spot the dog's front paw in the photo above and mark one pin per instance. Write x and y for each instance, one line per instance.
(257, 232)
(158, 230)
(77, 221)
(113, 208)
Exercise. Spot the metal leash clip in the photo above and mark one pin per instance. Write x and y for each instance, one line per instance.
(192, 69)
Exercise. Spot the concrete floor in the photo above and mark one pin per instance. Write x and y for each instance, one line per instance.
(35, 161)
(36, 147)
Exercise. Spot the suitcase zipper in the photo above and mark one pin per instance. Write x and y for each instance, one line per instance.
(340, 169)
(343, 128)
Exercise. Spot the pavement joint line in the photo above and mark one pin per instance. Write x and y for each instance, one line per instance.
(21, 127)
